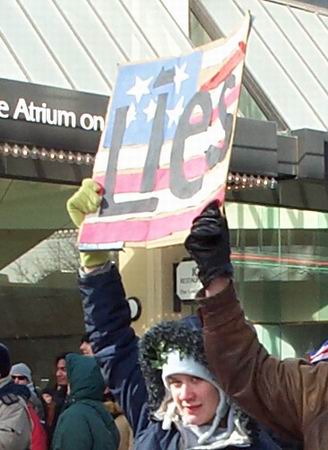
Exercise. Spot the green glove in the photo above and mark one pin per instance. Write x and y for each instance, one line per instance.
(86, 201)
(94, 259)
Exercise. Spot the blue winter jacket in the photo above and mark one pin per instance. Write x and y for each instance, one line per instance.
(107, 322)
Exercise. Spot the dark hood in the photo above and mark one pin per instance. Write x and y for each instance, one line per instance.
(84, 377)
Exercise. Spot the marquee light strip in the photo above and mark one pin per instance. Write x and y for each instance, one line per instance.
(235, 181)
(238, 182)
(65, 233)
(43, 154)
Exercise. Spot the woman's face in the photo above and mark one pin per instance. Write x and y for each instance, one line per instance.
(47, 398)
(195, 398)
(61, 375)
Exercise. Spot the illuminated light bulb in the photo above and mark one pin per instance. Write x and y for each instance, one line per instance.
(15, 151)
(70, 157)
(88, 159)
(6, 149)
(25, 152)
(35, 153)
(52, 155)
(251, 181)
(61, 156)
(79, 158)
(237, 178)
(43, 153)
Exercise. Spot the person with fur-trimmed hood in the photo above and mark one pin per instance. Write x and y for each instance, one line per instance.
(185, 395)
(170, 398)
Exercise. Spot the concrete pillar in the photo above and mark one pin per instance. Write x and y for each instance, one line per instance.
(148, 275)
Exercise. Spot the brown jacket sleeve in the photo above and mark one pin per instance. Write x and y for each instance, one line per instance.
(289, 395)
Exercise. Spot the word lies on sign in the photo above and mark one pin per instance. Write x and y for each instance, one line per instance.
(165, 150)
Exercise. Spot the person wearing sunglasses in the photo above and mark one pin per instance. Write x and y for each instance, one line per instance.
(21, 374)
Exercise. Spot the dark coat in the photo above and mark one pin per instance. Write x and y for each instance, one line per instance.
(107, 321)
(289, 396)
(59, 394)
(85, 424)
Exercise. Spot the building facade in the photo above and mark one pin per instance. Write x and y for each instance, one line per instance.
(52, 110)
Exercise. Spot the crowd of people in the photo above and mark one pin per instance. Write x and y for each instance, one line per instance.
(200, 383)
(77, 412)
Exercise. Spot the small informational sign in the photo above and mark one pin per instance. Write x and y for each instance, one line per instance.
(187, 281)
(165, 151)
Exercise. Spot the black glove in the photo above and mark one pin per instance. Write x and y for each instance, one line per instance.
(209, 246)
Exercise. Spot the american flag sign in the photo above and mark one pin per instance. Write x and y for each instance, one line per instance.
(165, 150)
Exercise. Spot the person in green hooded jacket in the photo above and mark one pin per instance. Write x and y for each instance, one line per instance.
(85, 424)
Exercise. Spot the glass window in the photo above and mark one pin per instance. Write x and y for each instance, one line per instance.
(282, 280)
(247, 105)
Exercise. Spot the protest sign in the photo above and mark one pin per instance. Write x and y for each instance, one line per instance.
(165, 150)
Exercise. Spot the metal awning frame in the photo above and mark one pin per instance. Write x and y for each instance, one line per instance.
(256, 92)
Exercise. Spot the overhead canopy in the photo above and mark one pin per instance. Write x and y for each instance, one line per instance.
(77, 44)
(287, 55)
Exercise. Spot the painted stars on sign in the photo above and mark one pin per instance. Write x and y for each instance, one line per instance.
(166, 146)
(141, 87)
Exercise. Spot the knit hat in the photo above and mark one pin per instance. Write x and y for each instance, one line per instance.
(177, 363)
(172, 347)
(4, 361)
(22, 370)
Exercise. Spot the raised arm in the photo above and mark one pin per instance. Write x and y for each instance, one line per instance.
(107, 318)
(285, 395)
